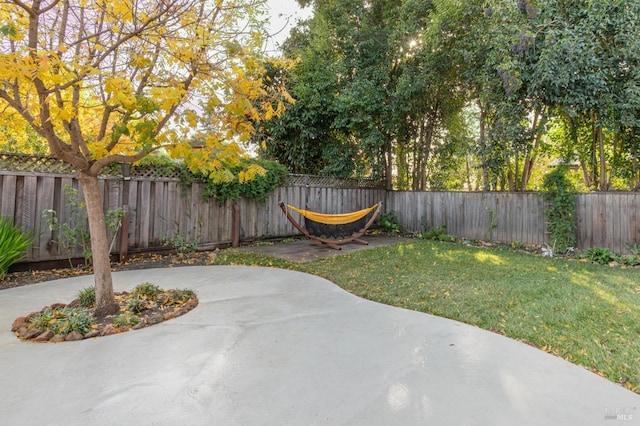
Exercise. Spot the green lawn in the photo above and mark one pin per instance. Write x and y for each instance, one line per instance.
(585, 313)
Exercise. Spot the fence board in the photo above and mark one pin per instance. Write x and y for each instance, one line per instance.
(8, 196)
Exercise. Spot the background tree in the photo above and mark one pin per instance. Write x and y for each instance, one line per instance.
(113, 80)
(375, 91)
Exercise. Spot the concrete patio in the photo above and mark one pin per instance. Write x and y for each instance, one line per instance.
(275, 347)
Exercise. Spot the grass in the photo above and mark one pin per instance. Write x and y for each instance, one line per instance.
(585, 313)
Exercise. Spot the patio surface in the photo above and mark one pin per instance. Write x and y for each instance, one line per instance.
(275, 347)
(301, 250)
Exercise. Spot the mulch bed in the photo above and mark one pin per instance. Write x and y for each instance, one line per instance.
(154, 314)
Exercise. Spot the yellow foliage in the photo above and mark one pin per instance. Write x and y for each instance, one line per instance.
(128, 95)
(250, 173)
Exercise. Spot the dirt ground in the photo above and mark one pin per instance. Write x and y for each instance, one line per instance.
(144, 261)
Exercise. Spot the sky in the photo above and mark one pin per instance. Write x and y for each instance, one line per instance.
(284, 14)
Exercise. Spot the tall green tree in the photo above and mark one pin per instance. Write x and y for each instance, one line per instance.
(375, 89)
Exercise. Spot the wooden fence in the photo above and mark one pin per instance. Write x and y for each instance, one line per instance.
(162, 208)
(491, 216)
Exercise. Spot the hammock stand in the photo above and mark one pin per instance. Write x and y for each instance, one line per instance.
(330, 220)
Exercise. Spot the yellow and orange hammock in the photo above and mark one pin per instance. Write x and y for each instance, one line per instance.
(332, 219)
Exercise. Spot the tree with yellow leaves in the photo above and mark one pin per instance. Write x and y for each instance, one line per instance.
(106, 81)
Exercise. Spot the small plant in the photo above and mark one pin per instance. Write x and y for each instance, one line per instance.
(113, 220)
(634, 249)
(87, 297)
(126, 320)
(177, 297)
(389, 222)
(136, 304)
(63, 320)
(146, 290)
(183, 247)
(437, 234)
(629, 260)
(13, 243)
(493, 222)
(74, 229)
(600, 255)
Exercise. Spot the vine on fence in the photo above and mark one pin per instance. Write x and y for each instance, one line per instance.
(559, 193)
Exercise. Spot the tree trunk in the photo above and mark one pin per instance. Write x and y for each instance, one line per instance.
(539, 121)
(635, 183)
(105, 300)
(483, 136)
(602, 159)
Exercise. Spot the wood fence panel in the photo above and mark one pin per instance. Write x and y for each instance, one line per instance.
(132, 202)
(580, 221)
(144, 212)
(172, 211)
(625, 234)
(157, 211)
(608, 220)
(612, 205)
(634, 221)
(63, 212)
(8, 196)
(44, 201)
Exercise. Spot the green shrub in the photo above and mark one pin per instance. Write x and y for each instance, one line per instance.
(183, 247)
(601, 255)
(13, 243)
(136, 304)
(63, 320)
(634, 249)
(148, 290)
(436, 234)
(629, 260)
(87, 297)
(231, 186)
(389, 222)
(126, 320)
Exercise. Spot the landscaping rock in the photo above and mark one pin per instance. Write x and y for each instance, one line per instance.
(108, 330)
(73, 336)
(19, 323)
(32, 314)
(169, 315)
(58, 306)
(31, 333)
(57, 338)
(94, 333)
(44, 337)
(138, 326)
(155, 318)
(75, 303)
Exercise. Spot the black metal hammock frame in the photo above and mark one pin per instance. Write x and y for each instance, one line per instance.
(334, 230)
